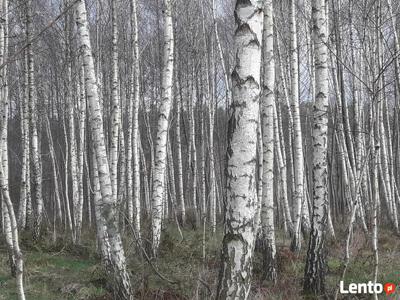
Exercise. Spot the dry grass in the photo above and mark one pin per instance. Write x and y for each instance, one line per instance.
(64, 271)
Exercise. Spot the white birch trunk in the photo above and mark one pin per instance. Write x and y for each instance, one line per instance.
(101, 229)
(13, 225)
(298, 159)
(115, 109)
(375, 204)
(283, 80)
(162, 127)
(66, 194)
(267, 119)
(135, 132)
(37, 172)
(315, 269)
(211, 120)
(81, 153)
(121, 282)
(73, 167)
(180, 194)
(58, 210)
(280, 153)
(193, 154)
(25, 169)
(240, 214)
(203, 198)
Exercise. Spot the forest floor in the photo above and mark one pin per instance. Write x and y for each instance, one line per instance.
(63, 271)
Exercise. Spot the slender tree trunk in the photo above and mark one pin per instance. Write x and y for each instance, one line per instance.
(73, 165)
(13, 225)
(283, 195)
(260, 158)
(280, 151)
(58, 211)
(282, 79)
(203, 195)
(100, 228)
(241, 210)
(375, 204)
(162, 127)
(25, 168)
(180, 194)
(121, 283)
(193, 151)
(146, 186)
(268, 99)
(4, 107)
(315, 270)
(135, 132)
(115, 108)
(298, 158)
(171, 184)
(211, 120)
(66, 194)
(81, 151)
(37, 172)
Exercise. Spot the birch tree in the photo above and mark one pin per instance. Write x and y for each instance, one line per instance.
(162, 127)
(81, 153)
(268, 98)
(115, 110)
(73, 160)
(25, 168)
(315, 270)
(135, 107)
(117, 264)
(193, 168)
(35, 151)
(211, 125)
(57, 206)
(8, 209)
(298, 159)
(240, 212)
(181, 200)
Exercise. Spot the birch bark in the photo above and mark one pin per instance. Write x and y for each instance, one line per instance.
(25, 168)
(162, 127)
(211, 121)
(241, 210)
(55, 173)
(117, 264)
(81, 153)
(73, 164)
(115, 109)
(13, 225)
(37, 172)
(181, 200)
(278, 138)
(268, 99)
(135, 107)
(193, 152)
(315, 269)
(298, 158)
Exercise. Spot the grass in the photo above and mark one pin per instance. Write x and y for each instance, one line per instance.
(63, 271)
(50, 271)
